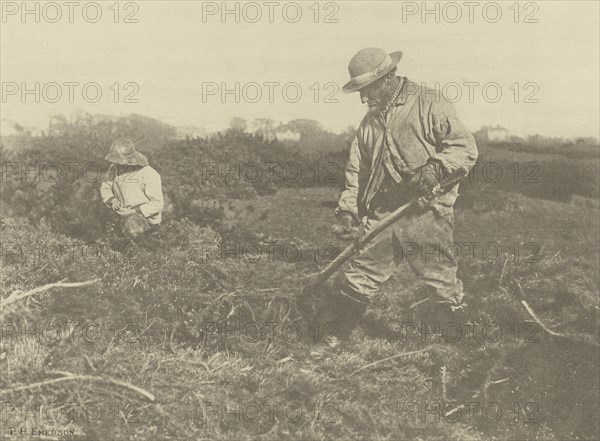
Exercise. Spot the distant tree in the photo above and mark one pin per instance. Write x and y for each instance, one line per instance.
(305, 127)
(348, 134)
(264, 127)
(238, 124)
(147, 133)
(590, 141)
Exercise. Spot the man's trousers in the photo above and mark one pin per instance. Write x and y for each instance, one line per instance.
(422, 238)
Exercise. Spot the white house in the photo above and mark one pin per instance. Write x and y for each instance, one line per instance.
(493, 134)
(288, 135)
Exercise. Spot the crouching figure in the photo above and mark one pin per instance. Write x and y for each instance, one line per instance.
(132, 189)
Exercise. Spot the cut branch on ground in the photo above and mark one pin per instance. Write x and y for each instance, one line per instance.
(68, 376)
(571, 336)
(19, 295)
(383, 360)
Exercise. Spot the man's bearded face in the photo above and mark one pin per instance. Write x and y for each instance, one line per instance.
(376, 95)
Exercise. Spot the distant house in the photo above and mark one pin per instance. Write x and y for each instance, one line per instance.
(288, 135)
(493, 134)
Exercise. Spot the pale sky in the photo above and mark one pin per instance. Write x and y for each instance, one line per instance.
(173, 52)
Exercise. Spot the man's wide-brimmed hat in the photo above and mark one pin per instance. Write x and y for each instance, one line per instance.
(369, 65)
(123, 151)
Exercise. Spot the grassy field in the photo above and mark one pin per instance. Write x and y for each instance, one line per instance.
(248, 371)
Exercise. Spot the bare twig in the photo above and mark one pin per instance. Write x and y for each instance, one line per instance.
(375, 363)
(450, 412)
(491, 373)
(539, 322)
(415, 304)
(89, 362)
(499, 381)
(579, 338)
(68, 376)
(503, 269)
(18, 295)
(444, 375)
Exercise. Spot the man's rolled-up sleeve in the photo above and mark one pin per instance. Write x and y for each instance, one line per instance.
(456, 149)
(153, 191)
(349, 196)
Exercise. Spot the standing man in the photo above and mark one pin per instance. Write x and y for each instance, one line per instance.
(132, 189)
(409, 142)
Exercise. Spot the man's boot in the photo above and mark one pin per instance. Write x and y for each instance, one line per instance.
(440, 312)
(343, 313)
(350, 309)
